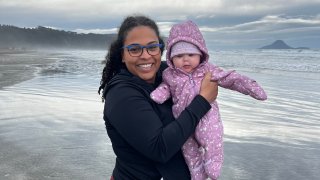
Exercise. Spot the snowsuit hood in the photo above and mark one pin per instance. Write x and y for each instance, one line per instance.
(189, 32)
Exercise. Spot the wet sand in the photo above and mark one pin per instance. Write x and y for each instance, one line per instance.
(48, 128)
(19, 66)
(51, 126)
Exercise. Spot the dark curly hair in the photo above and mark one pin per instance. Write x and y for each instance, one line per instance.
(113, 62)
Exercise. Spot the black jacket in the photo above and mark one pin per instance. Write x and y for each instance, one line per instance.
(145, 136)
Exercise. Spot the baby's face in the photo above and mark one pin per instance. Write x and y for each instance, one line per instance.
(186, 62)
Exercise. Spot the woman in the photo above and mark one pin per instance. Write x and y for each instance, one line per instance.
(145, 136)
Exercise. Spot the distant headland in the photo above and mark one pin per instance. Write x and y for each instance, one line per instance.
(12, 37)
(280, 44)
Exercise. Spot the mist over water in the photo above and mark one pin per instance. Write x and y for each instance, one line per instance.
(52, 124)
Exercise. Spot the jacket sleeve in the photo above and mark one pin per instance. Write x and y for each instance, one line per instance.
(237, 82)
(161, 93)
(134, 117)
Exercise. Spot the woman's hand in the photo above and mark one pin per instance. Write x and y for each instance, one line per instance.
(209, 89)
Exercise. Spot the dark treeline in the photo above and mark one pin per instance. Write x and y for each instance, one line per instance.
(42, 37)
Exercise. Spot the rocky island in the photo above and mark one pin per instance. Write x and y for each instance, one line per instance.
(280, 44)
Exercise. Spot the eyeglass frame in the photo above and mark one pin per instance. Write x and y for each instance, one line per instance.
(142, 47)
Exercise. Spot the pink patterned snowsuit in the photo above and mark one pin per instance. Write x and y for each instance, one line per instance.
(203, 151)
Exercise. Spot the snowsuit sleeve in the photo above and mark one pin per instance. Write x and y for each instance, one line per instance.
(161, 93)
(237, 82)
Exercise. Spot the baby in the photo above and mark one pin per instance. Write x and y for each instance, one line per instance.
(188, 60)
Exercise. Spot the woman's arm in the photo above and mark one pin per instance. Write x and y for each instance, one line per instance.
(134, 117)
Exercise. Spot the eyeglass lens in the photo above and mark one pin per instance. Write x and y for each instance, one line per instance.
(137, 50)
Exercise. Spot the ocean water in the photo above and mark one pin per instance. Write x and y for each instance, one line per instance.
(52, 126)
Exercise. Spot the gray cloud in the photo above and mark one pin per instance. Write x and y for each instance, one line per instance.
(258, 33)
(226, 23)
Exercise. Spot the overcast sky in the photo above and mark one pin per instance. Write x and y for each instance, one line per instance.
(226, 24)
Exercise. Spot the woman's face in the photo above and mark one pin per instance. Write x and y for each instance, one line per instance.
(144, 66)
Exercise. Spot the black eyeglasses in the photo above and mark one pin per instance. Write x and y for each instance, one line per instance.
(136, 50)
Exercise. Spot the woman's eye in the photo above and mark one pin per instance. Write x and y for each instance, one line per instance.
(135, 49)
(152, 48)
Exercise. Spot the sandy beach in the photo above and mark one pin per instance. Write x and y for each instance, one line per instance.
(48, 128)
(51, 124)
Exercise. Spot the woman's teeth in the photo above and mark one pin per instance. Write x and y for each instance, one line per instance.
(145, 65)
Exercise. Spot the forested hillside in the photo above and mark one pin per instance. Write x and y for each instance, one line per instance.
(42, 37)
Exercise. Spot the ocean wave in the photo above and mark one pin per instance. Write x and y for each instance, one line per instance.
(278, 61)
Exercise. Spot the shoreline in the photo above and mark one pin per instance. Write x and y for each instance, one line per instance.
(52, 127)
(19, 66)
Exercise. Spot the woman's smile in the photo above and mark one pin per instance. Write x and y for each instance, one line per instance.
(145, 66)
